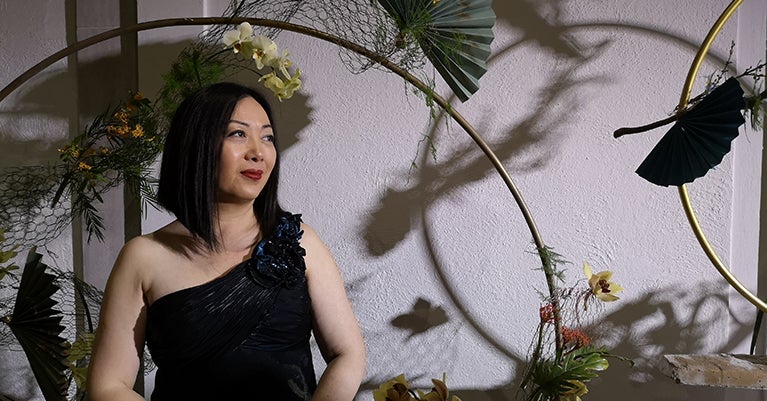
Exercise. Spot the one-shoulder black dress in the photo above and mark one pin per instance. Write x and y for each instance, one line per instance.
(242, 336)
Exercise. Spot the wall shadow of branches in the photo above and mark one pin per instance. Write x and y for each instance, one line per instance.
(534, 137)
(390, 222)
(624, 328)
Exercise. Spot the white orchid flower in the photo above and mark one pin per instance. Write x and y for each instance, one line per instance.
(240, 39)
(264, 51)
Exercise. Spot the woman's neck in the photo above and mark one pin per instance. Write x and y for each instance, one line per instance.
(237, 227)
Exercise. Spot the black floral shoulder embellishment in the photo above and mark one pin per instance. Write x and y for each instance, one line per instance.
(279, 260)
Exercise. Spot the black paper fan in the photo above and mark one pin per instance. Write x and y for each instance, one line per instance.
(37, 325)
(698, 140)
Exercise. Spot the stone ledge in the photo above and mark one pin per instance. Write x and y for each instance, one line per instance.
(722, 370)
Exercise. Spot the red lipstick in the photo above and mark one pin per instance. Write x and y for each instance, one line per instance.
(253, 174)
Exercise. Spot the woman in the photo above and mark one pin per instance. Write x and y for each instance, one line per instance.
(226, 295)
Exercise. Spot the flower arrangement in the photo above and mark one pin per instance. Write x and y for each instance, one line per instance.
(563, 357)
(264, 52)
(398, 389)
(118, 145)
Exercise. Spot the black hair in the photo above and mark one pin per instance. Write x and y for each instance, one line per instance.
(189, 172)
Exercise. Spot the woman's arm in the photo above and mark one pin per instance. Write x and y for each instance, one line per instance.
(119, 342)
(335, 327)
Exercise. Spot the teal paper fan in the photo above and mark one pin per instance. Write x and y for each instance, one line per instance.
(455, 35)
(699, 140)
(36, 323)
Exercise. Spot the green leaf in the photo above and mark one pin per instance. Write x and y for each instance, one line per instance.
(582, 364)
(5, 270)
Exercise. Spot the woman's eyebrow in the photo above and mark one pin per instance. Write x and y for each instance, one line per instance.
(248, 125)
(239, 122)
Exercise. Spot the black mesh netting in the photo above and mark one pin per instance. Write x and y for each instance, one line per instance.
(362, 22)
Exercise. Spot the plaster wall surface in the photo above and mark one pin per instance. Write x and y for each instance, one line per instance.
(438, 260)
(34, 121)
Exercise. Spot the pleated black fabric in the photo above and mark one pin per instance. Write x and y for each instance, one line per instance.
(242, 336)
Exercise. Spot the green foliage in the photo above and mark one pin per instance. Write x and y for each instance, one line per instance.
(78, 359)
(552, 379)
(756, 107)
(119, 146)
(5, 256)
(551, 262)
(196, 67)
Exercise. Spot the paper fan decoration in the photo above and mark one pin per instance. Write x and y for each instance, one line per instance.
(455, 35)
(698, 140)
(37, 325)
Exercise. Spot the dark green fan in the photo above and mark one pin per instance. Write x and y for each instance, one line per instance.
(698, 140)
(455, 35)
(37, 325)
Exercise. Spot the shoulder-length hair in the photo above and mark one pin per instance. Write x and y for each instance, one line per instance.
(188, 185)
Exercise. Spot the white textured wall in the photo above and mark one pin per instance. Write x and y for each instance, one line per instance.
(34, 122)
(563, 76)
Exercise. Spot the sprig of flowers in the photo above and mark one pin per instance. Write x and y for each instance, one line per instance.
(563, 358)
(265, 54)
(398, 389)
(119, 146)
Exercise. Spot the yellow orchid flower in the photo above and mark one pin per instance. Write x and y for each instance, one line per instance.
(396, 389)
(438, 393)
(281, 63)
(293, 84)
(283, 89)
(575, 392)
(273, 82)
(600, 284)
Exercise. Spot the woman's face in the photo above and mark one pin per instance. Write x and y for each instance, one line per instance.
(247, 153)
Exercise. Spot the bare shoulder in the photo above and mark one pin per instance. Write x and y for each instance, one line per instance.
(309, 237)
(318, 257)
(311, 241)
(141, 256)
(147, 250)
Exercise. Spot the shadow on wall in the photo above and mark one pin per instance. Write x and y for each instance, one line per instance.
(50, 97)
(527, 145)
(624, 330)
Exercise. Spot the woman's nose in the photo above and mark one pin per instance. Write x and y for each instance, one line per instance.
(255, 153)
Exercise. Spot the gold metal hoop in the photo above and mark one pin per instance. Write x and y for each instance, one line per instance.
(684, 196)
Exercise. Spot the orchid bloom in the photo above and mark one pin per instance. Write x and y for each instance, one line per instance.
(283, 89)
(438, 393)
(240, 39)
(396, 389)
(273, 83)
(600, 284)
(264, 51)
(281, 63)
(293, 84)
